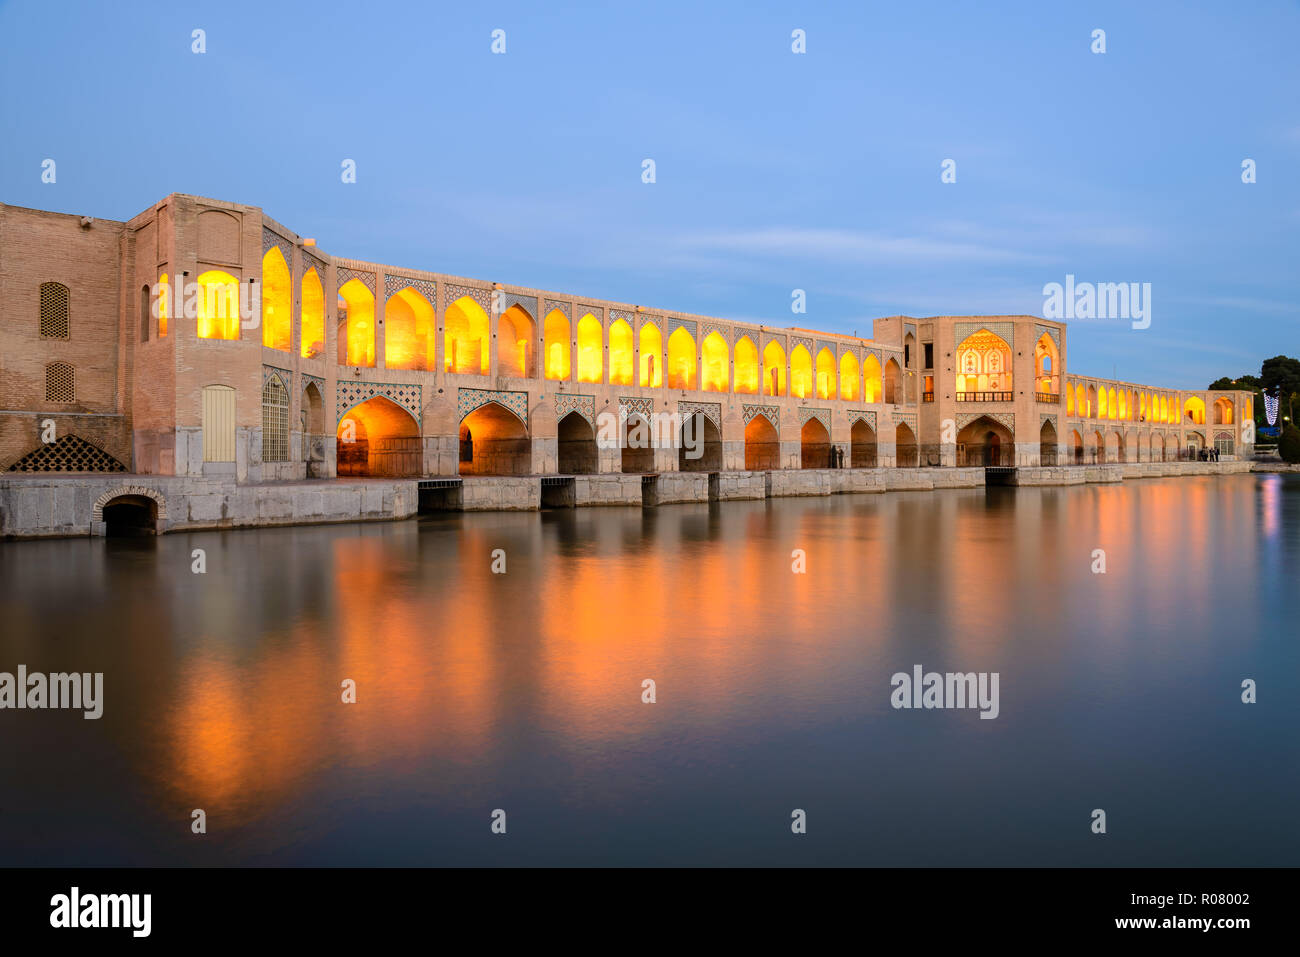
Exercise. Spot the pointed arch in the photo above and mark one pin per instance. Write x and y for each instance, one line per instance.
(745, 356)
(872, 378)
(409, 338)
(773, 369)
(681, 359)
(313, 316)
(893, 387)
(591, 350)
(825, 379)
(849, 374)
(465, 338)
(218, 305)
(277, 301)
(356, 324)
(862, 445)
(652, 347)
(575, 445)
(814, 445)
(801, 372)
(715, 362)
(762, 444)
(555, 345)
(622, 354)
(905, 450)
(516, 333)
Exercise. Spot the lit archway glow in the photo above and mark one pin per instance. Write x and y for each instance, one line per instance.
(218, 305)
(652, 347)
(408, 331)
(555, 345)
(983, 363)
(622, 357)
(773, 369)
(681, 359)
(591, 349)
(801, 376)
(465, 338)
(313, 316)
(871, 379)
(277, 301)
(745, 357)
(1194, 410)
(849, 372)
(825, 374)
(515, 338)
(357, 324)
(715, 362)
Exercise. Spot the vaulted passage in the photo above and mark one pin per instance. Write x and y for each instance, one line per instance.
(985, 442)
(576, 446)
(701, 445)
(762, 445)
(493, 441)
(379, 438)
(638, 453)
(814, 446)
(862, 452)
(130, 516)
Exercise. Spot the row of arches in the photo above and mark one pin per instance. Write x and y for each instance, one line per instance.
(1088, 401)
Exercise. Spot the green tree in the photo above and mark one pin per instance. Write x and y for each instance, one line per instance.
(1289, 445)
(1245, 383)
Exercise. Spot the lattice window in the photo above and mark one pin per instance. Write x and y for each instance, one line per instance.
(1223, 443)
(275, 421)
(68, 454)
(60, 383)
(54, 310)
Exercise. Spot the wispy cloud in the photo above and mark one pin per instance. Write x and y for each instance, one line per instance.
(860, 247)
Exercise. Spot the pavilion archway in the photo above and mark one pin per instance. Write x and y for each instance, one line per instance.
(591, 350)
(516, 336)
(850, 372)
(714, 364)
(893, 383)
(379, 438)
(985, 441)
(1076, 444)
(277, 301)
(494, 441)
(862, 445)
(622, 355)
(773, 369)
(872, 389)
(409, 339)
(355, 315)
(1047, 443)
(466, 336)
(905, 449)
(681, 359)
(801, 372)
(983, 368)
(762, 445)
(746, 366)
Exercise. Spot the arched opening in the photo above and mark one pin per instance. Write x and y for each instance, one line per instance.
(1112, 447)
(801, 376)
(409, 339)
(312, 416)
(983, 368)
(355, 314)
(555, 345)
(218, 305)
(1047, 443)
(1046, 368)
(277, 301)
(638, 445)
(1223, 410)
(576, 446)
(145, 309)
(1076, 443)
(275, 420)
(1157, 448)
(1069, 398)
(1091, 409)
(746, 359)
(985, 441)
(681, 359)
(762, 445)
(814, 446)
(849, 372)
(164, 297)
(773, 369)
(714, 363)
(862, 450)
(1194, 410)
(700, 449)
(905, 450)
(909, 351)
(893, 394)
(313, 316)
(1112, 404)
(493, 441)
(130, 516)
(465, 338)
(591, 349)
(1096, 447)
(1103, 404)
(652, 347)
(622, 354)
(871, 380)
(379, 438)
(515, 337)
(826, 374)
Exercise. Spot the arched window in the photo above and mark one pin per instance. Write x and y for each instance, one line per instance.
(144, 314)
(313, 315)
(54, 310)
(275, 421)
(60, 384)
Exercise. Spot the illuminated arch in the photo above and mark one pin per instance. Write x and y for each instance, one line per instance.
(1047, 365)
(465, 338)
(164, 307)
(814, 445)
(905, 451)
(825, 374)
(555, 345)
(849, 374)
(1069, 399)
(983, 363)
(746, 359)
(1093, 406)
(714, 364)
(762, 445)
(1223, 410)
(356, 322)
(985, 441)
(516, 333)
(575, 445)
(1194, 410)
(591, 350)
(1111, 404)
(681, 359)
(408, 331)
(871, 379)
(277, 301)
(313, 316)
(801, 372)
(893, 392)
(622, 353)
(494, 441)
(652, 347)
(1046, 443)
(218, 305)
(773, 369)
(378, 437)
(862, 445)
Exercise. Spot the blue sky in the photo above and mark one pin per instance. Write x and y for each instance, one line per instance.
(775, 171)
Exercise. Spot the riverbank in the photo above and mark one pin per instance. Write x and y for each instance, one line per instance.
(54, 506)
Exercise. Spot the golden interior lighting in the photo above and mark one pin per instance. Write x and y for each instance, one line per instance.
(556, 345)
(871, 379)
(652, 344)
(357, 324)
(465, 338)
(164, 300)
(746, 373)
(983, 363)
(849, 372)
(515, 338)
(800, 372)
(773, 369)
(313, 316)
(591, 350)
(825, 374)
(621, 353)
(408, 330)
(681, 360)
(714, 374)
(218, 305)
(277, 301)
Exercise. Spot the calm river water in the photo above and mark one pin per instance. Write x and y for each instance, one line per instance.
(523, 691)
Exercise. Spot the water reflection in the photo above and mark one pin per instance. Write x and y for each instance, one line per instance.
(477, 690)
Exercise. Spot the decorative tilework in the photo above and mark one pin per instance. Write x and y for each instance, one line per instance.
(451, 292)
(864, 415)
(310, 261)
(800, 341)
(908, 418)
(825, 344)
(1004, 418)
(1046, 417)
(584, 405)
(711, 327)
(623, 314)
(308, 379)
(284, 375)
(425, 287)
(1006, 330)
(655, 321)
(350, 394)
(635, 404)
(343, 275)
(467, 400)
(527, 303)
(1051, 331)
(770, 412)
(821, 415)
(710, 410)
(767, 337)
(271, 238)
(689, 325)
(564, 307)
(596, 312)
